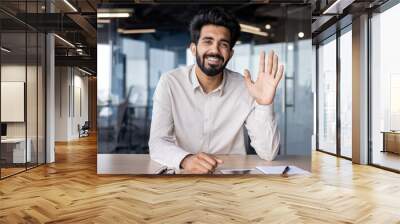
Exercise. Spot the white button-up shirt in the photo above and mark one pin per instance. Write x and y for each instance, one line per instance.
(186, 120)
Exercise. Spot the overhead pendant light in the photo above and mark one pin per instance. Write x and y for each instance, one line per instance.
(84, 71)
(136, 31)
(113, 15)
(70, 5)
(5, 50)
(252, 29)
(65, 41)
(338, 6)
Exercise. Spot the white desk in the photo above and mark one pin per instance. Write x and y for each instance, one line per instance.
(142, 164)
(18, 151)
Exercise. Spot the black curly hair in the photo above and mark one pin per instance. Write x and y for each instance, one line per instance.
(214, 16)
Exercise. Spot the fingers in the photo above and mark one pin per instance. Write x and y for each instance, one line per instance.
(274, 65)
(279, 75)
(211, 161)
(207, 162)
(200, 169)
(268, 69)
(206, 165)
(261, 65)
(219, 161)
(247, 78)
(201, 163)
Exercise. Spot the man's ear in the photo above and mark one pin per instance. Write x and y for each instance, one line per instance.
(193, 48)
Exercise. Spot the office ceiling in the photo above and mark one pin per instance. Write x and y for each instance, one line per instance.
(79, 27)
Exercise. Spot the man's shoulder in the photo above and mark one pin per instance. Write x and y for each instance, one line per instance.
(234, 77)
(177, 73)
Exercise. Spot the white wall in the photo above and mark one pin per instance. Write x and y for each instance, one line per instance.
(71, 87)
(12, 73)
(33, 106)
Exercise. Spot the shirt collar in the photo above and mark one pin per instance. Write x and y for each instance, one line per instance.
(195, 82)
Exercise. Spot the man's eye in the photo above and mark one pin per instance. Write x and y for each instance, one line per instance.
(225, 45)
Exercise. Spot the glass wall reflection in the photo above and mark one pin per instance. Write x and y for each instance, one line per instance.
(327, 95)
(134, 53)
(385, 89)
(346, 92)
(22, 88)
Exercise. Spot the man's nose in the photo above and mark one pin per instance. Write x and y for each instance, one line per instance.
(215, 48)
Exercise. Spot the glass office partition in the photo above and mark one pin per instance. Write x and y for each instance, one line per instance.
(32, 97)
(14, 144)
(22, 87)
(385, 89)
(41, 106)
(327, 95)
(346, 92)
(133, 55)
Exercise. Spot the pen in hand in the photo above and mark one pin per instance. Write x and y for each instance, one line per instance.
(285, 171)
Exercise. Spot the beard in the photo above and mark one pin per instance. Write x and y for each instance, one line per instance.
(211, 70)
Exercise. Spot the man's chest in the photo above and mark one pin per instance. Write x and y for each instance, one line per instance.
(209, 112)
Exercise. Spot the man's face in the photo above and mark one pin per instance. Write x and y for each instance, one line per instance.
(213, 49)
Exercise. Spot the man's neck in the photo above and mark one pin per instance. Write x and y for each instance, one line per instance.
(208, 83)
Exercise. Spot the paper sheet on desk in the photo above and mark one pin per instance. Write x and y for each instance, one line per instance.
(279, 169)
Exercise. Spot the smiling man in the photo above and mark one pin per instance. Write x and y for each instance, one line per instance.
(199, 111)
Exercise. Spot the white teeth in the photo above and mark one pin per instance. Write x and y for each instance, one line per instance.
(212, 58)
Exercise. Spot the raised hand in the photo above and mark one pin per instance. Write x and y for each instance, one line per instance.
(269, 74)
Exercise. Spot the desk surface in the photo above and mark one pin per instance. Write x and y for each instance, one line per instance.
(13, 140)
(390, 132)
(142, 164)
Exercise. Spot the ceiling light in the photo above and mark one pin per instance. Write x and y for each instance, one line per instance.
(338, 6)
(252, 30)
(65, 41)
(70, 5)
(329, 9)
(260, 33)
(290, 47)
(300, 34)
(5, 50)
(103, 21)
(249, 27)
(113, 15)
(84, 71)
(268, 26)
(135, 31)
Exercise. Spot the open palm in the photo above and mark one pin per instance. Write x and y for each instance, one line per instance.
(269, 74)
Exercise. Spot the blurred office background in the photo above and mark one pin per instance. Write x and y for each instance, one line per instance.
(149, 40)
(49, 74)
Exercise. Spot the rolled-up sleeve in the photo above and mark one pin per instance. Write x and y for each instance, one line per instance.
(263, 131)
(162, 144)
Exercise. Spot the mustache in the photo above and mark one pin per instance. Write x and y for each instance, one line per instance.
(214, 55)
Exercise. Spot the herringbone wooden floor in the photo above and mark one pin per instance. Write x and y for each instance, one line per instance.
(69, 191)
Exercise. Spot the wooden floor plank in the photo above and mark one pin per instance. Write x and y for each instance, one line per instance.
(70, 191)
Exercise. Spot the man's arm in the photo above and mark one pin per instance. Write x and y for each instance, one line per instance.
(263, 131)
(260, 123)
(163, 148)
